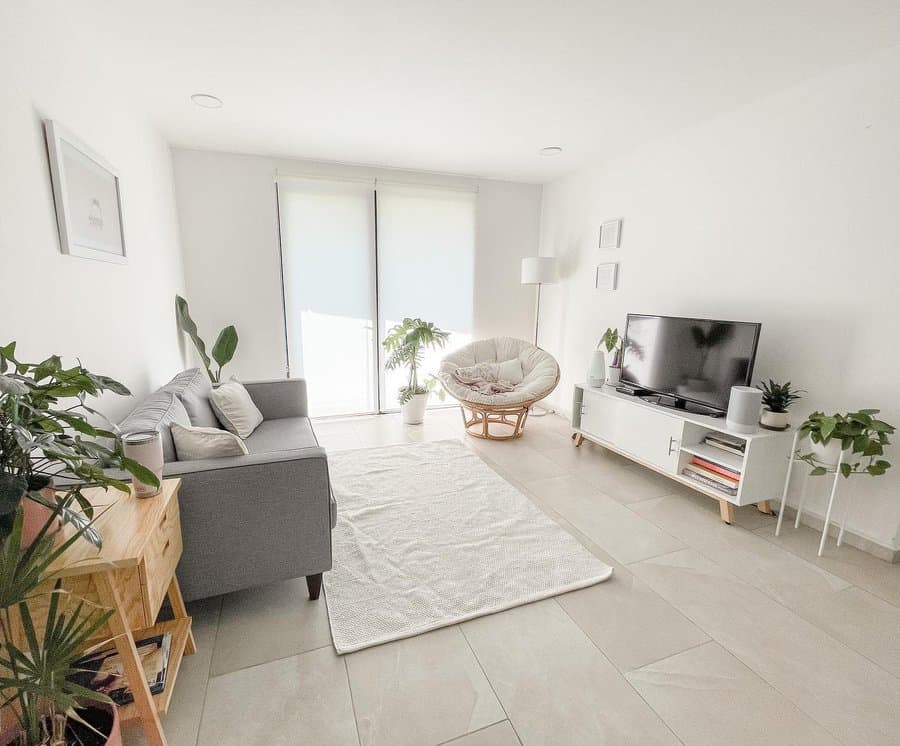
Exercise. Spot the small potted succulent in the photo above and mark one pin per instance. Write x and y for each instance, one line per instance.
(855, 439)
(612, 342)
(406, 344)
(777, 398)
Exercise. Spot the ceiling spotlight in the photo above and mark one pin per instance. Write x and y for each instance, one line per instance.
(551, 150)
(207, 100)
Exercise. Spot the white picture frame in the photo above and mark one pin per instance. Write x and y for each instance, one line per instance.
(87, 197)
(606, 276)
(611, 234)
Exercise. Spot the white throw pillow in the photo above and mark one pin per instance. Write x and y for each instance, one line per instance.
(193, 443)
(511, 371)
(235, 409)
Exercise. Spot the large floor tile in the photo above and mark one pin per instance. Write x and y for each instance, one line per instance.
(625, 535)
(557, 491)
(423, 690)
(630, 623)
(860, 568)
(182, 722)
(854, 699)
(708, 697)
(499, 734)
(523, 462)
(555, 685)
(263, 624)
(783, 576)
(289, 702)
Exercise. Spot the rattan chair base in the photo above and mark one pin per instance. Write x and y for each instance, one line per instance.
(482, 417)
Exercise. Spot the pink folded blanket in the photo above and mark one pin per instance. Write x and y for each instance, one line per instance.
(483, 379)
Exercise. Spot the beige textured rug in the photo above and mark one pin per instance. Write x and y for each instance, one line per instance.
(428, 535)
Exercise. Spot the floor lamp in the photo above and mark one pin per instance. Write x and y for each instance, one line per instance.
(538, 270)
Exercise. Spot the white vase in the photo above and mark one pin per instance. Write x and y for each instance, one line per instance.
(597, 369)
(413, 411)
(613, 375)
(827, 454)
(775, 420)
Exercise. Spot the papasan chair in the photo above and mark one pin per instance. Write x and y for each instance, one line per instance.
(505, 412)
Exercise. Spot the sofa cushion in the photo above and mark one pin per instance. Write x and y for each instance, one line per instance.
(193, 388)
(235, 409)
(284, 434)
(194, 443)
(156, 412)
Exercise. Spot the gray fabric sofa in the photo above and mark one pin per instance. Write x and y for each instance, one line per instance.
(254, 519)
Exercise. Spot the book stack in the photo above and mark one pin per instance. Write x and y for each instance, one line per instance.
(102, 670)
(726, 443)
(716, 476)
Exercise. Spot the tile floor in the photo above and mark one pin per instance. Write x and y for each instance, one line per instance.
(706, 634)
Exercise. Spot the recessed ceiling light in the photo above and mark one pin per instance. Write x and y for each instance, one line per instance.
(207, 100)
(551, 150)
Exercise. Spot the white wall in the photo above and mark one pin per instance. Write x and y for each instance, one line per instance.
(118, 319)
(229, 231)
(784, 212)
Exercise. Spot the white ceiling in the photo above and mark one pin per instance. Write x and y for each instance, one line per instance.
(464, 86)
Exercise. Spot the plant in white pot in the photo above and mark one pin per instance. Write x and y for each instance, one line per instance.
(777, 398)
(406, 344)
(612, 342)
(857, 436)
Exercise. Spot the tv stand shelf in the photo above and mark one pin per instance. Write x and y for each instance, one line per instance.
(667, 440)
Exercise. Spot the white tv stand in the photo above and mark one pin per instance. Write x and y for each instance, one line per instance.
(665, 440)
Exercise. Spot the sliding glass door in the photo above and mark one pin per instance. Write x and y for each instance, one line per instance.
(327, 236)
(357, 258)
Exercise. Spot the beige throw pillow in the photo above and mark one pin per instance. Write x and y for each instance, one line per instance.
(193, 443)
(235, 409)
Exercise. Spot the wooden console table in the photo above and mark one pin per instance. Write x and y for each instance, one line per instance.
(132, 574)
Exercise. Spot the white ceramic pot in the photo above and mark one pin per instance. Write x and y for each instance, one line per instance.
(597, 370)
(826, 454)
(413, 411)
(775, 420)
(613, 375)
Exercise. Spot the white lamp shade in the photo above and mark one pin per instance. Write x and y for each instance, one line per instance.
(537, 270)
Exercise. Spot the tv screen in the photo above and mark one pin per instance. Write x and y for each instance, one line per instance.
(697, 360)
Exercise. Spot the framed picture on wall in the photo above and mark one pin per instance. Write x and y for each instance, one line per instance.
(87, 198)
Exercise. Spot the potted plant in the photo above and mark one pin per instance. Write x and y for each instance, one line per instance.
(613, 344)
(406, 344)
(45, 433)
(777, 399)
(857, 436)
(222, 351)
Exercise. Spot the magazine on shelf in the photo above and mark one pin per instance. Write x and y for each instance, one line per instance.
(726, 443)
(707, 482)
(717, 468)
(102, 670)
(726, 481)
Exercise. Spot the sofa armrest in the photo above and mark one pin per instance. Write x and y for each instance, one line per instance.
(280, 398)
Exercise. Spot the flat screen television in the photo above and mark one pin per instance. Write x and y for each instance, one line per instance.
(690, 360)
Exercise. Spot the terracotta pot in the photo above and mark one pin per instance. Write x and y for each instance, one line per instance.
(36, 516)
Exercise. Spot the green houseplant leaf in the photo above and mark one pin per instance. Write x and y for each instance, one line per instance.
(224, 348)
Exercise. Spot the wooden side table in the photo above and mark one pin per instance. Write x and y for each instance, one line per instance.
(132, 574)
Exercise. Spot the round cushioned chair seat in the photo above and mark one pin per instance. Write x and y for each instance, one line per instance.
(540, 369)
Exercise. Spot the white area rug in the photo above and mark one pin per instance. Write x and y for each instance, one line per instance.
(429, 535)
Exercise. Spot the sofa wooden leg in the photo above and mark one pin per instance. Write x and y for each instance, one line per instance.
(314, 584)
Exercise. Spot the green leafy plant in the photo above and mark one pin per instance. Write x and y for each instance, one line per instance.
(406, 344)
(859, 433)
(778, 397)
(45, 433)
(611, 341)
(222, 351)
(36, 684)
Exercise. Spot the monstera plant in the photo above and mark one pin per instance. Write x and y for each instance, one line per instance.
(222, 351)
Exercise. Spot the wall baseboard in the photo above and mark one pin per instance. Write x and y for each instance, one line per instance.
(853, 539)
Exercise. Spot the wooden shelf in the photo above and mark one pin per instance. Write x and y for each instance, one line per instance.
(716, 455)
(180, 629)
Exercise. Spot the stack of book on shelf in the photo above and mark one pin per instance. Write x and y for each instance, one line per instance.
(102, 669)
(725, 479)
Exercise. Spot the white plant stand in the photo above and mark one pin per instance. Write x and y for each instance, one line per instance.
(836, 471)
